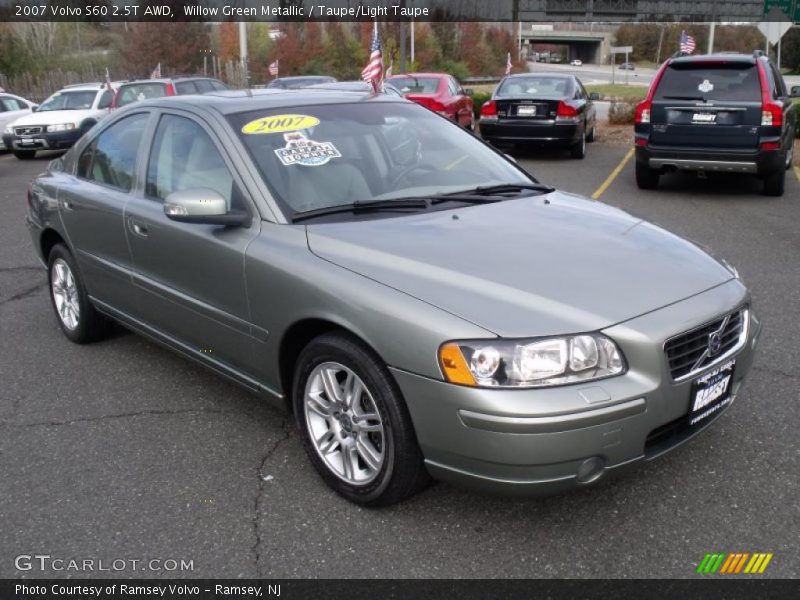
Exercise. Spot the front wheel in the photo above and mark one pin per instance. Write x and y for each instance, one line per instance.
(354, 424)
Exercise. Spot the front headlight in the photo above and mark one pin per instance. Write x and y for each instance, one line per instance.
(61, 127)
(8, 131)
(531, 363)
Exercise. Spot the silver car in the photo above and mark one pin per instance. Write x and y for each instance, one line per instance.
(420, 303)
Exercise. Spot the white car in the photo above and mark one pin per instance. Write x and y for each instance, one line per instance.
(576, 63)
(59, 121)
(11, 108)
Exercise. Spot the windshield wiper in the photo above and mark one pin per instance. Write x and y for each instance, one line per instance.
(491, 193)
(360, 206)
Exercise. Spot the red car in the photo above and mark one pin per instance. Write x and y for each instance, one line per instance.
(440, 92)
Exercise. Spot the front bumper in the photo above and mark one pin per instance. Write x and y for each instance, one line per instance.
(542, 133)
(56, 140)
(543, 441)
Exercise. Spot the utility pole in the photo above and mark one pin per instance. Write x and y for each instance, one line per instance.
(243, 52)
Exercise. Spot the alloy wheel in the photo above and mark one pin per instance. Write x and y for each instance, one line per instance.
(345, 426)
(65, 294)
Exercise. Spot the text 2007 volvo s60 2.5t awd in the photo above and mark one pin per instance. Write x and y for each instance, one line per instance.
(422, 305)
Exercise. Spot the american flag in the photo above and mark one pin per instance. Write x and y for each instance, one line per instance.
(156, 74)
(373, 72)
(273, 68)
(509, 65)
(688, 43)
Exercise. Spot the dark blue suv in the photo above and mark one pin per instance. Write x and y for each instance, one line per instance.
(725, 113)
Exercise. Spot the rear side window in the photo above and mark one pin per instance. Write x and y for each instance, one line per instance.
(218, 85)
(185, 87)
(105, 99)
(11, 104)
(702, 81)
(110, 159)
(140, 91)
(203, 86)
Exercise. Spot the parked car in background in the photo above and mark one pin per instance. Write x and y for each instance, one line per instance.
(725, 113)
(440, 92)
(60, 120)
(355, 86)
(144, 89)
(11, 108)
(418, 302)
(576, 63)
(301, 81)
(548, 109)
(627, 66)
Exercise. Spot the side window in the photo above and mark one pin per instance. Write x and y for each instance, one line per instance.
(11, 104)
(203, 86)
(105, 99)
(4, 105)
(218, 85)
(185, 87)
(111, 158)
(184, 157)
(780, 88)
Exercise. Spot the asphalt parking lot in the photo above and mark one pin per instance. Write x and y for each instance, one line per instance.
(122, 450)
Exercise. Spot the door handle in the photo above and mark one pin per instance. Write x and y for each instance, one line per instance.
(138, 228)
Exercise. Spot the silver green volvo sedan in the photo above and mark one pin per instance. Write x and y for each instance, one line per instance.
(420, 303)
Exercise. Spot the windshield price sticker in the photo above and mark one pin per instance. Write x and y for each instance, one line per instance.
(300, 150)
(280, 124)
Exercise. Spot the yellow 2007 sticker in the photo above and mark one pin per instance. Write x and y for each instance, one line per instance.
(280, 124)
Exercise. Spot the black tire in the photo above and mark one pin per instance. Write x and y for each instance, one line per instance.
(775, 183)
(646, 178)
(91, 325)
(25, 154)
(402, 473)
(578, 150)
(790, 155)
(591, 137)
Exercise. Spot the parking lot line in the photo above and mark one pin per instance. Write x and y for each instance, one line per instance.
(610, 179)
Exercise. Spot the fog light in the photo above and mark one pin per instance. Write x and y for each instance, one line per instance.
(590, 470)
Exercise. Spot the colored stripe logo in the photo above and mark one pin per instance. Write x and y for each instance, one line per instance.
(734, 563)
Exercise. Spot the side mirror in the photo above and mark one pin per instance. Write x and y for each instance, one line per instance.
(34, 107)
(469, 92)
(203, 205)
(795, 91)
(594, 96)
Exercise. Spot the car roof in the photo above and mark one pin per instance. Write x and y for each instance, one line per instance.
(717, 56)
(548, 74)
(420, 74)
(83, 87)
(236, 101)
(304, 77)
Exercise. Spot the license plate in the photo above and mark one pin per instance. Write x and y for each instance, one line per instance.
(704, 118)
(526, 111)
(711, 393)
(24, 142)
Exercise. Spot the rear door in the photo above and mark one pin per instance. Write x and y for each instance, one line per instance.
(708, 104)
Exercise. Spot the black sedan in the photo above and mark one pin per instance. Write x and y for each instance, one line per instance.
(545, 109)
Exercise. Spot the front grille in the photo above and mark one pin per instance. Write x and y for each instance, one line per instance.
(690, 351)
(27, 130)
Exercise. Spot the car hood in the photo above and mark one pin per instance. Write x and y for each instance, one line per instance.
(543, 265)
(52, 117)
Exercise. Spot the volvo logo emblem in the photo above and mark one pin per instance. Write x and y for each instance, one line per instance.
(714, 343)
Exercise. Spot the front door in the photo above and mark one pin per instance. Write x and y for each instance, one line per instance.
(190, 277)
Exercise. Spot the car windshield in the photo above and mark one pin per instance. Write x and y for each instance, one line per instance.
(335, 154)
(530, 87)
(129, 94)
(734, 81)
(68, 101)
(408, 84)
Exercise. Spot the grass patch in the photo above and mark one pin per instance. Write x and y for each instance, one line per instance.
(630, 93)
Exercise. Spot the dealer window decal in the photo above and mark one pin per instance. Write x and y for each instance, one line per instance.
(706, 86)
(279, 124)
(300, 150)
